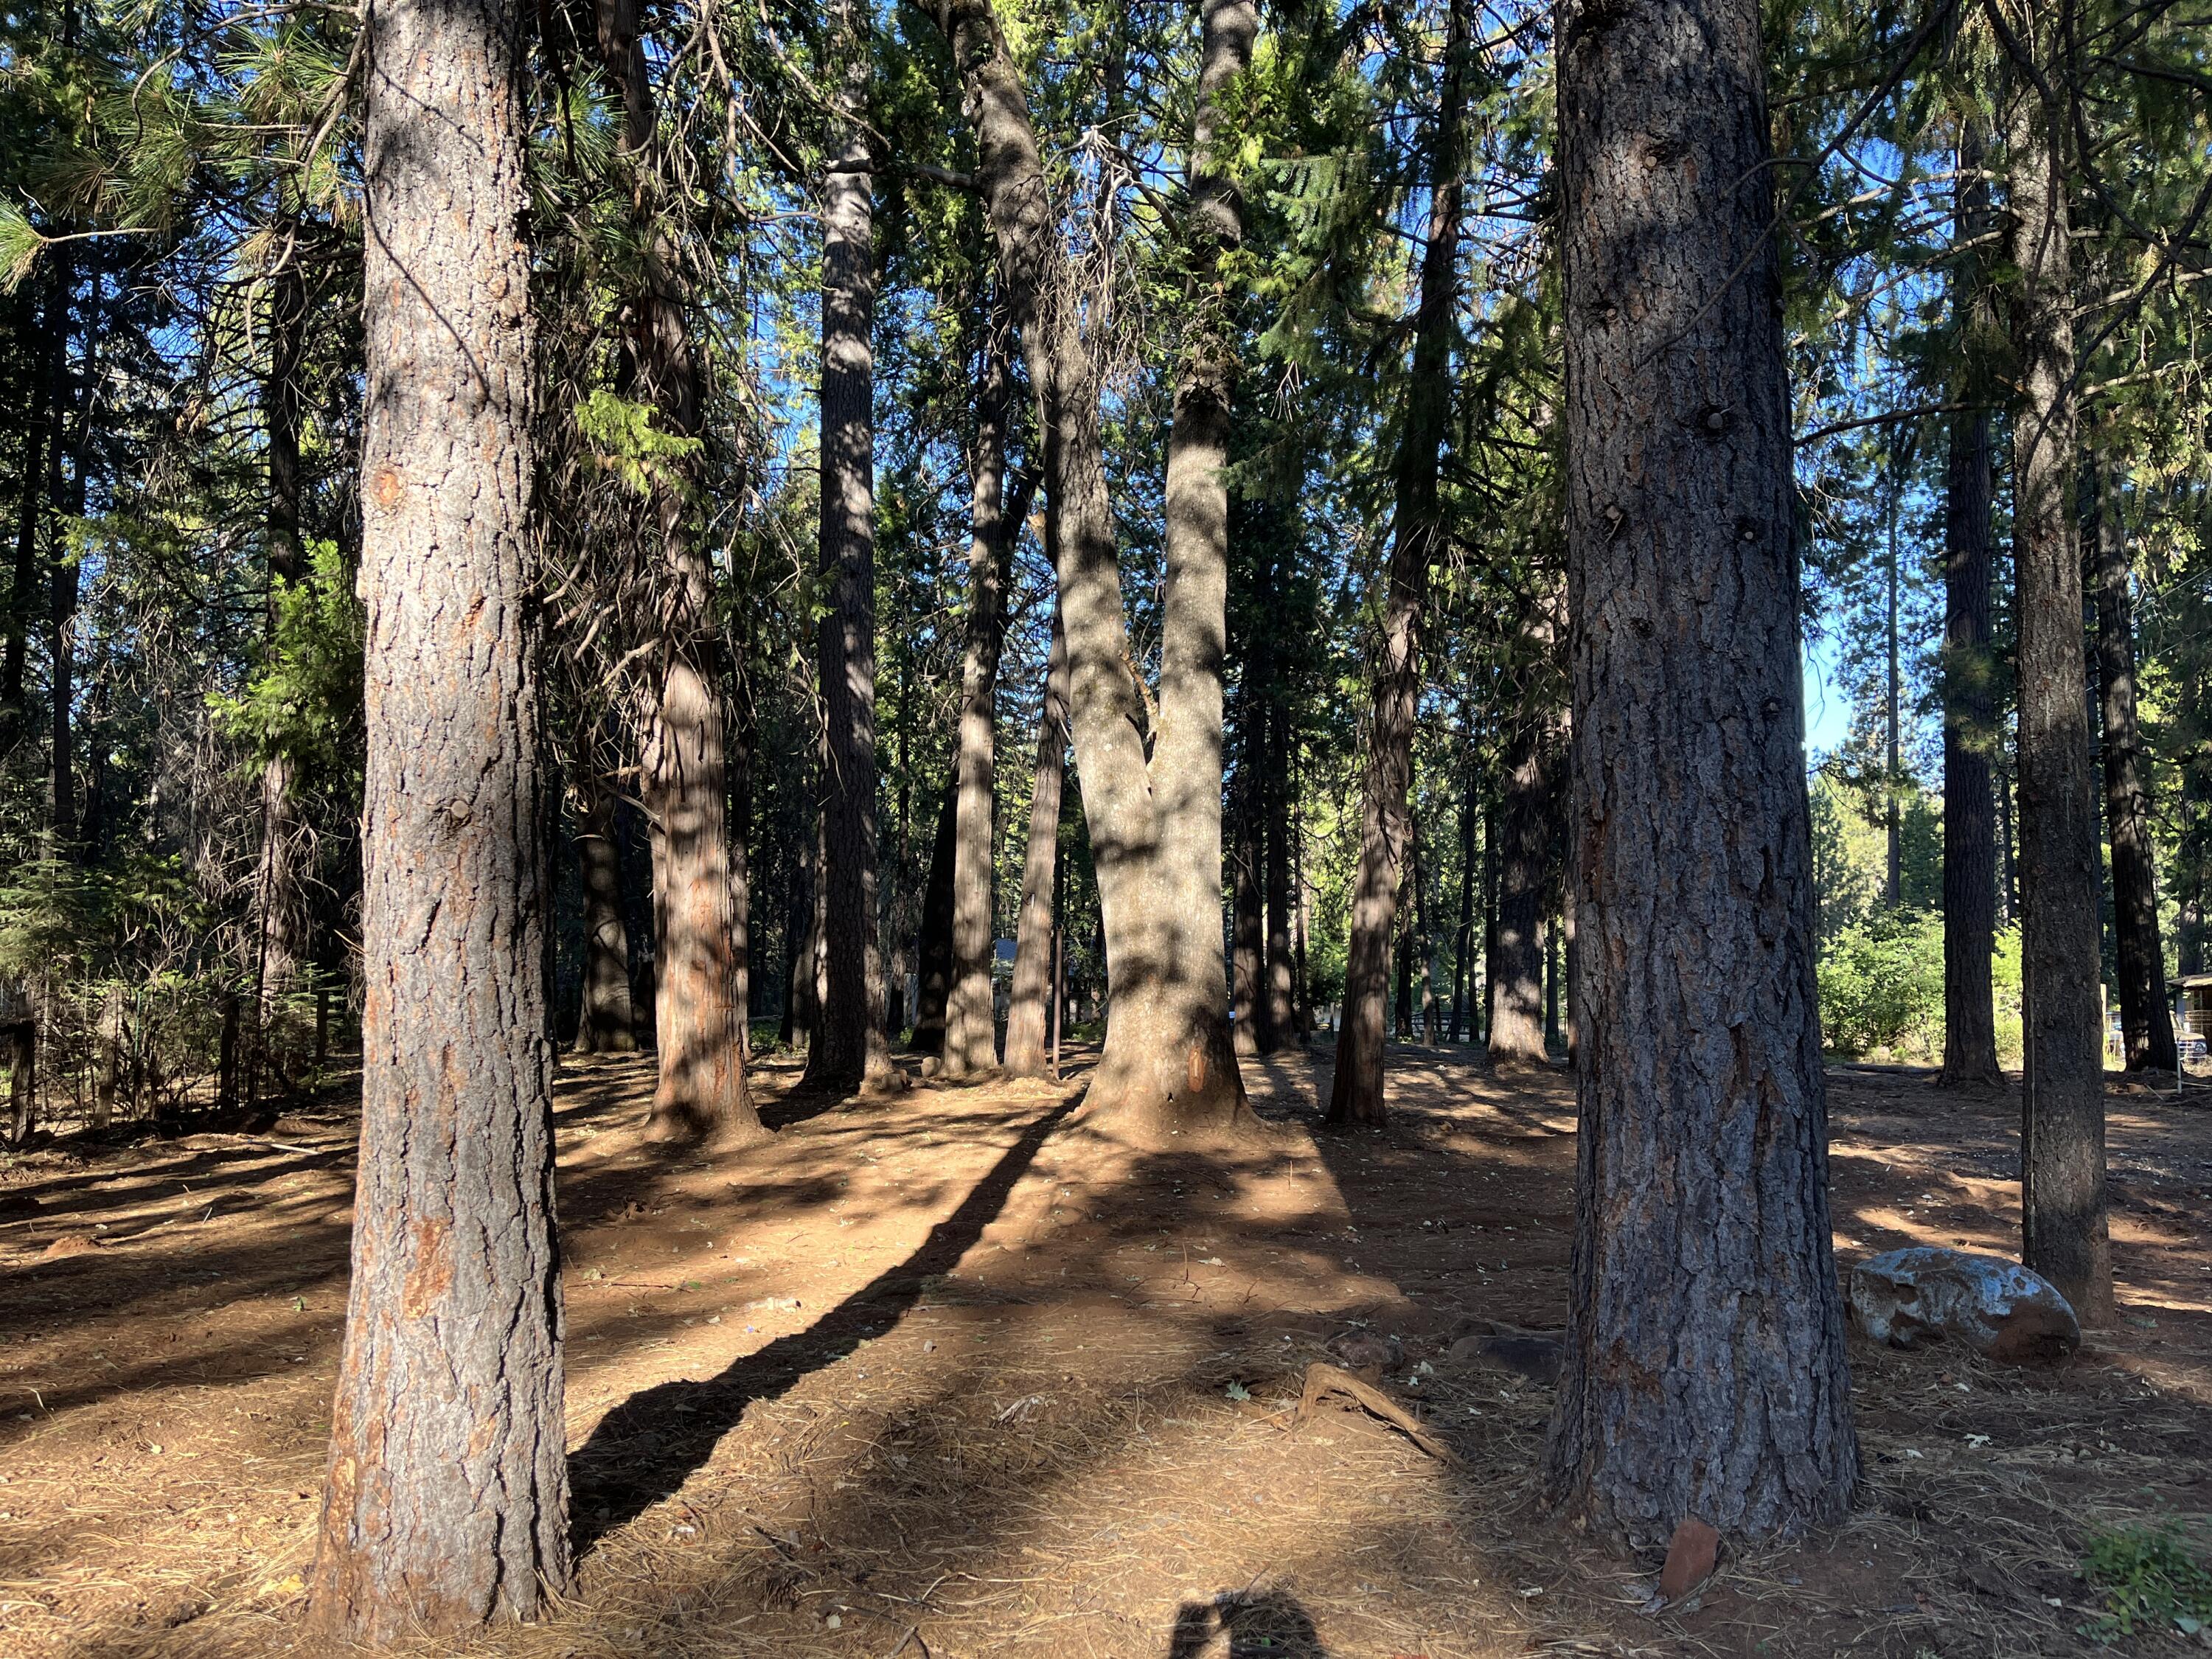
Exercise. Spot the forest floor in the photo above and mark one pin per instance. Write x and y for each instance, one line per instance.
(944, 1372)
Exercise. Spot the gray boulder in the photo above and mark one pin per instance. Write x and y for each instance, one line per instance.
(1994, 1307)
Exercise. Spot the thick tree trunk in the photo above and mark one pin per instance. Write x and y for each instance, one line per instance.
(933, 953)
(851, 1046)
(698, 1021)
(604, 1025)
(2146, 1022)
(1156, 823)
(2064, 1215)
(1281, 1026)
(1704, 1374)
(1970, 730)
(445, 1502)
(971, 1038)
(1356, 1092)
(1034, 937)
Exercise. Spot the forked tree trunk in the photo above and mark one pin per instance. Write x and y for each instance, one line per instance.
(1969, 731)
(604, 1025)
(2064, 1214)
(850, 1045)
(1704, 1375)
(1156, 823)
(447, 1498)
(1356, 1092)
(971, 1037)
(1027, 1055)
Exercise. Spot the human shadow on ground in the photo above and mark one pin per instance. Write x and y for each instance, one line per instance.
(1258, 1623)
(648, 1446)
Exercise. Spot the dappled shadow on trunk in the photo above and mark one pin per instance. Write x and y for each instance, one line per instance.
(645, 1449)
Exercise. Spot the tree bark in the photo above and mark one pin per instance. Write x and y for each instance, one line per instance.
(933, 954)
(445, 1503)
(62, 593)
(1463, 936)
(1026, 1053)
(2064, 1213)
(1155, 824)
(1247, 908)
(2146, 1021)
(971, 1038)
(1528, 827)
(1356, 1092)
(850, 1047)
(1281, 1026)
(1970, 729)
(1704, 1374)
(41, 439)
(605, 1023)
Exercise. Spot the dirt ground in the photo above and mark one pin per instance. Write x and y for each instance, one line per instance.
(946, 1373)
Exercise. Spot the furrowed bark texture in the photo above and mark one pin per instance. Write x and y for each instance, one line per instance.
(1155, 825)
(1703, 1373)
(971, 1037)
(850, 1044)
(1970, 727)
(2063, 1202)
(1530, 827)
(1027, 1004)
(1356, 1090)
(445, 1501)
(2146, 1022)
(698, 1021)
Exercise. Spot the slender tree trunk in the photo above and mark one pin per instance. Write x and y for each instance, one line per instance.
(2007, 842)
(1356, 1092)
(61, 593)
(1247, 908)
(605, 1023)
(1969, 731)
(971, 1042)
(741, 873)
(851, 1047)
(1893, 767)
(41, 439)
(1463, 938)
(1154, 822)
(1528, 824)
(2064, 1215)
(1026, 1054)
(1281, 1026)
(933, 955)
(1704, 1375)
(19, 1044)
(445, 1502)
(2146, 1022)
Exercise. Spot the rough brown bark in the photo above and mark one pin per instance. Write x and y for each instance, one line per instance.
(2064, 1214)
(1704, 1374)
(850, 1044)
(1356, 1091)
(971, 1037)
(445, 1503)
(2146, 1022)
(1970, 729)
(1026, 1054)
(1528, 821)
(605, 1023)
(1281, 1025)
(1155, 823)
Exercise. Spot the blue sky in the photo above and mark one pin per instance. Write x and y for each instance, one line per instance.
(1827, 707)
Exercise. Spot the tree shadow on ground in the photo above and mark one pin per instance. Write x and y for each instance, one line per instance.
(645, 1449)
(1256, 1625)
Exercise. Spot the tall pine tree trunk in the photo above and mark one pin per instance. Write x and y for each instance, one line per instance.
(2146, 1022)
(1247, 908)
(2064, 1214)
(445, 1501)
(1704, 1375)
(933, 952)
(1528, 826)
(604, 1025)
(1970, 730)
(1027, 1055)
(41, 439)
(850, 1045)
(1155, 822)
(1282, 1021)
(1356, 1092)
(971, 1038)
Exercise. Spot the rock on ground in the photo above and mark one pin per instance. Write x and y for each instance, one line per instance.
(1997, 1308)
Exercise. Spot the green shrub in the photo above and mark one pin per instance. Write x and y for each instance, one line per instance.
(2149, 1579)
(1881, 986)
